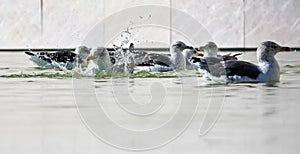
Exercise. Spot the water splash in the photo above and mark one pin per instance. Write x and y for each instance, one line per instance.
(126, 37)
(124, 62)
(123, 58)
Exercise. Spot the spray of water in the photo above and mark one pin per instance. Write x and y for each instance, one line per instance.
(121, 58)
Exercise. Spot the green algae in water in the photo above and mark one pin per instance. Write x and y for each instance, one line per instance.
(146, 74)
(4, 68)
(283, 72)
(42, 68)
(140, 74)
(296, 72)
(39, 75)
(291, 66)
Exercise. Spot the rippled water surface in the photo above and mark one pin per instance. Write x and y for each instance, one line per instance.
(38, 114)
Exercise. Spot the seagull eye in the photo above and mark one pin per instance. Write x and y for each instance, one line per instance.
(273, 47)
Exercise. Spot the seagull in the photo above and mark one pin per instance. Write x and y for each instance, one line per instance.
(143, 58)
(60, 59)
(162, 62)
(267, 69)
(211, 55)
(189, 53)
(82, 53)
(211, 50)
(122, 61)
(178, 59)
(190, 56)
(195, 60)
(100, 57)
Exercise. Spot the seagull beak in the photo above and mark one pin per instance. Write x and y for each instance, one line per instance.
(285, 49)
(89, 58)
(201, 54)
(190, 47)
(195, 51)
(201, 48)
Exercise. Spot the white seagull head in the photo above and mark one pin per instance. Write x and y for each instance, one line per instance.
(179, 47)
(267, 63)
(177, 58)
(100, 57)
(267, 50)
(82, 53)
(210, 49)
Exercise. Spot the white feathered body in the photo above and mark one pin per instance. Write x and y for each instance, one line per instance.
(178, 60)
(270, 71)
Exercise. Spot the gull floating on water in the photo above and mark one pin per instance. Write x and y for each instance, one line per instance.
(211, 50)
(211, 55)
(163, 62)
(118, 61)
(59, 59)
(178, 59)
(143, 58)
(82, 53)
(100, 57)
(267, 69)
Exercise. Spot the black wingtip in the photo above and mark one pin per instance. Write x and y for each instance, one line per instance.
(195, 59)
(144, 64)
(236, 54)
(29, 53)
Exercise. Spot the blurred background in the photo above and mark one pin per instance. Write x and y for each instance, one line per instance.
(231, 23)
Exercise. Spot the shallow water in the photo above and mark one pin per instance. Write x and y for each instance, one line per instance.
(40, 115)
